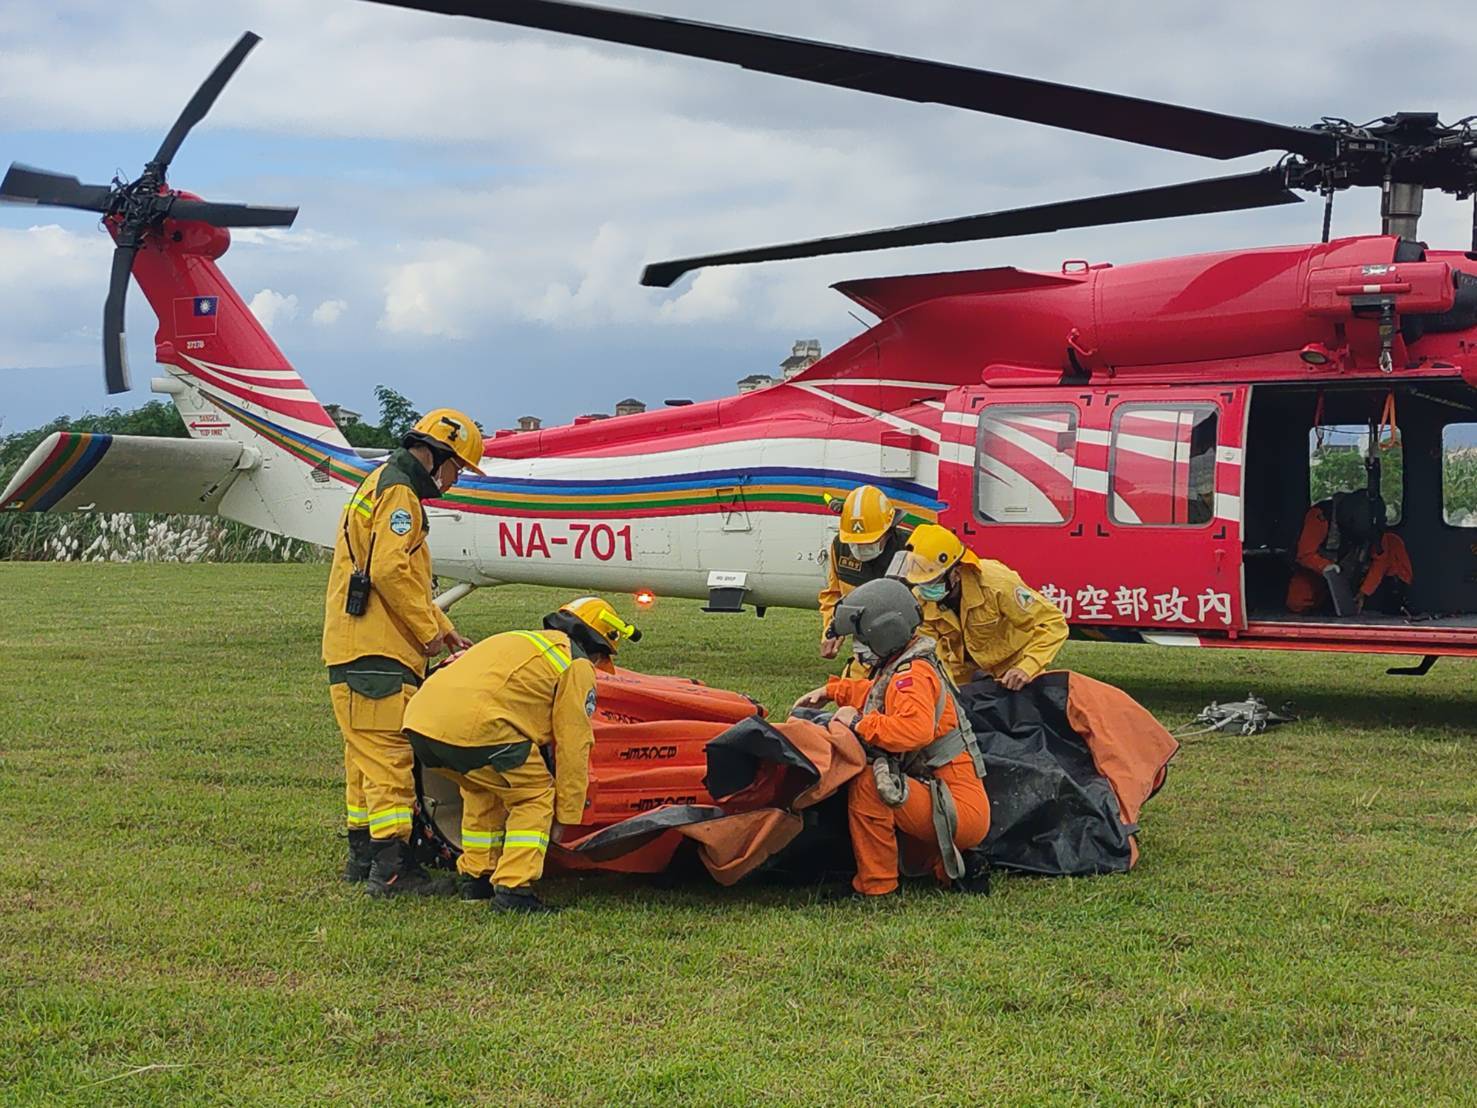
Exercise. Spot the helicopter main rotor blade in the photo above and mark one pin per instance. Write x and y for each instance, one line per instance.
(1264, 189)
(232, 215)
(1088, 111)
(115, 352)
(204, 99)
(26, 185)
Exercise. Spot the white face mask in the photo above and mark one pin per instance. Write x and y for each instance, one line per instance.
(865, 551)
(863, 655)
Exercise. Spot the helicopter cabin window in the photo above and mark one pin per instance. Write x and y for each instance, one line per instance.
(1459, 474)
(1162, 465)
(1338, 456)
(1026, 463)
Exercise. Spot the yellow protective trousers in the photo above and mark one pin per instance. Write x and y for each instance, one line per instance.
(379, 781)
(506, 818)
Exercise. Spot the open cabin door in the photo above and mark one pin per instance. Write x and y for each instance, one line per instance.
(1123, 506)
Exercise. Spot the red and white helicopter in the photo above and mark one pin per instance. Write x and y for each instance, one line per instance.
(1135, 440)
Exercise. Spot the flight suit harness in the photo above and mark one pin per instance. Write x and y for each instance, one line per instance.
(920, 764)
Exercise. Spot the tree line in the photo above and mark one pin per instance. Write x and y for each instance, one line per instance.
(139, 536)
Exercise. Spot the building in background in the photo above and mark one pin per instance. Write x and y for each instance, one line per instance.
(804, 354)
(630, 406)
(342, 416)
(754, 381)
(529, 423)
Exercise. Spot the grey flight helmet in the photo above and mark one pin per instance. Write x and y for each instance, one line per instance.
(882, 615)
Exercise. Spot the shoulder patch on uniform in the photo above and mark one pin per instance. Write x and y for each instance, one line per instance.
(400, 521)
(903, 684)
(1024, 597)
(590, 703)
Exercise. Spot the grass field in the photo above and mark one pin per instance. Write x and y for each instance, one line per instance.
(172, 930)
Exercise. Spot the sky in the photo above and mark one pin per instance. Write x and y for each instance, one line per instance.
(477, 202)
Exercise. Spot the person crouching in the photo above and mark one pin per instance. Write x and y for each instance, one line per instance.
(924, 778)
(489, 721)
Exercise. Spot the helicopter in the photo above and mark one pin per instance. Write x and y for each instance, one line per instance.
(1142, 442)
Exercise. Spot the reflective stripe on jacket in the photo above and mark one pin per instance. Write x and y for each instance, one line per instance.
(400, 617)
(510, 690)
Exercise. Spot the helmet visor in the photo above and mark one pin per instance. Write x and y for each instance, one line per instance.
(918, 570)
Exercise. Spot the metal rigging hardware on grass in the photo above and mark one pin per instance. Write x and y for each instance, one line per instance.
(135, 211)
(1402, 154)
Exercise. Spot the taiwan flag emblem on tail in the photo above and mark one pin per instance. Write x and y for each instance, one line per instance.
(195, 316)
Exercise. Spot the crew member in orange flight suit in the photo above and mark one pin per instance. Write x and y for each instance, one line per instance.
(907, 716)
(1343, 535)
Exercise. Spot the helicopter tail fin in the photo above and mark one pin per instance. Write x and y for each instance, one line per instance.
(262, 449)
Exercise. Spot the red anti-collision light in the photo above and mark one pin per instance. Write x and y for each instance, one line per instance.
(1315, 353)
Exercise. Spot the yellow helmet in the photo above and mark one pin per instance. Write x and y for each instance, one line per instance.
(932, 551)
(455, 431)
(866, 515)
(601, 618)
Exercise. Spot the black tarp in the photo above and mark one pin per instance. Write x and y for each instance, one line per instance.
(1051, 811)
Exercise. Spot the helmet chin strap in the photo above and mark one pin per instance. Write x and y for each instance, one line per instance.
(580, 632)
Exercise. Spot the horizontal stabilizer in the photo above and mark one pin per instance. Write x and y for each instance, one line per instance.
(885, 296)
(73, 471)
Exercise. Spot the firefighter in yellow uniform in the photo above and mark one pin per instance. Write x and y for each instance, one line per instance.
(982, 615)
(379, 628)
(869, 537)
(490, 719)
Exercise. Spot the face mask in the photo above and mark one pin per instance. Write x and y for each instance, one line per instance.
(865, 551)
(863, 655)
(934, 590)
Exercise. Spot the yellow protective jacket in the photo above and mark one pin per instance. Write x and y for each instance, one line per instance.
(1002, 624)
(845, 573)
(510, 690)
(400, 617)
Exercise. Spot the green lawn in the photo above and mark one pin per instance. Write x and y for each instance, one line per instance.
(1300, 929)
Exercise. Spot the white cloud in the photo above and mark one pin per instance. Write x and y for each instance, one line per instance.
(488, 188)
(52, 285)
(327, 313)
(271, 307)
(437, 295)
(289, 239)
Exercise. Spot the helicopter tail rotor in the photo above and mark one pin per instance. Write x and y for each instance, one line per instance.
(136, 210)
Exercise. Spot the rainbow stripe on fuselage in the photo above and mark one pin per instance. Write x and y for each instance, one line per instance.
(788, 489)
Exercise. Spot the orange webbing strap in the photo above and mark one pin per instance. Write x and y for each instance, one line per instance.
(1387, 421)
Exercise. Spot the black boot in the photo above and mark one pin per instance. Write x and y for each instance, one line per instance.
(395, 872)
(505, 899)
(474, 888)
(361, 856)
(976, 879)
